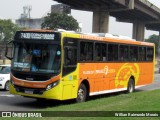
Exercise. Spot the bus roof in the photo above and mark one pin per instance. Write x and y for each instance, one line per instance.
(38, 30)
(106, 37)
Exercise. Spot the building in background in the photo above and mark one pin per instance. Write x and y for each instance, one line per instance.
(61, 8)
(30, 23)
(26, 21)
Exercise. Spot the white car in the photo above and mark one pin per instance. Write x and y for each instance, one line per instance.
(5, 76)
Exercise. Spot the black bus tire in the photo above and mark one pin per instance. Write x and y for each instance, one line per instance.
(82, 94)
(131, 86)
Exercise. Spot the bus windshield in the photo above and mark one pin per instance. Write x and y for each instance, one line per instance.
(38, 58)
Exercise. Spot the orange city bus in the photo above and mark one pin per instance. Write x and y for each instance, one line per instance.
(67, 65)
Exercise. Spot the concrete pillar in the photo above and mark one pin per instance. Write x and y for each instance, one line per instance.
(138, 30)
(100, 22)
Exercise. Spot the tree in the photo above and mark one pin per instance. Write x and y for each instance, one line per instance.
(7, 30)
(154, 39)
(60, 21)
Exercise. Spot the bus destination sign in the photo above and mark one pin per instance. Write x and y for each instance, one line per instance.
(32, 35)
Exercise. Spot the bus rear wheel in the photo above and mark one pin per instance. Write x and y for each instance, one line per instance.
(131, 86)
(82, 94)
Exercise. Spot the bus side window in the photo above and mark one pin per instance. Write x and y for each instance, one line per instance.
(142, 54)
(86, 51)
(123, 53)
(104, 52)
(112, 52)
(82, 51)
(70, 56)
(150, 53)
(133, 51)
(98, 52)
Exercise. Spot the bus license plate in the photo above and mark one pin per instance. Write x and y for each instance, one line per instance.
(29, 91)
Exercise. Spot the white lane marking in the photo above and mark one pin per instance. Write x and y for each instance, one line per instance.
(5, 95)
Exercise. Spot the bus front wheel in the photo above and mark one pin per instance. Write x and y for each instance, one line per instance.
(131, 86)
(82, 93)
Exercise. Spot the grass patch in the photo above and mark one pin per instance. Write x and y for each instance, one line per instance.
(138, 101)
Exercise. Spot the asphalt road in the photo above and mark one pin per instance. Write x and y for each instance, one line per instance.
(18, 103)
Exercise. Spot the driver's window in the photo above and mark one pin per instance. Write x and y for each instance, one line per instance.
(70, 56)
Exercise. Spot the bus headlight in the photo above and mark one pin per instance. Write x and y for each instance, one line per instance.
(52, 85)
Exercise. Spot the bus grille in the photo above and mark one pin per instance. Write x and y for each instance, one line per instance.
(39, 91)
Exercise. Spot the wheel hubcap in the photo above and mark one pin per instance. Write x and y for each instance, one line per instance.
(131, 88)
(81, 94)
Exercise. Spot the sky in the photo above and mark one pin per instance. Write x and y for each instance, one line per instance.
(12, 9)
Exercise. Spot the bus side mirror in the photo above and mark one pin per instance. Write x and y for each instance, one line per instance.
(9, 50)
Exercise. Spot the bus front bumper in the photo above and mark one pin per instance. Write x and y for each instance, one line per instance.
(53, 93)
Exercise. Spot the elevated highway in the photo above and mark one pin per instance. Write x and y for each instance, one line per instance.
(141, 13)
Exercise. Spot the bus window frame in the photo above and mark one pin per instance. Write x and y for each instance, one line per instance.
(79, 48)
(67, 69)
(136, 59)
(114, 44)
(94, 42)
(147, 54)
(70, 47)
(101, 54)
(119, 53)
(140, 60)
